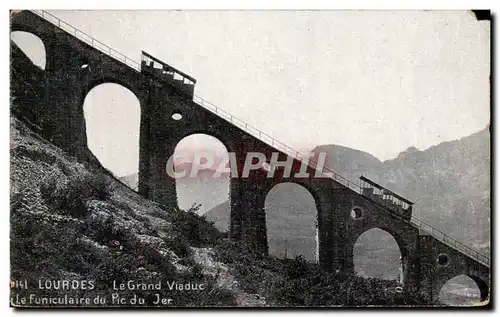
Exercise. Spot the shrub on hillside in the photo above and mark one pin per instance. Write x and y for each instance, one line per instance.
(39, 246)
(179, 245)
(70, 196)
(297, 282)
(196, 229)
(104, 230)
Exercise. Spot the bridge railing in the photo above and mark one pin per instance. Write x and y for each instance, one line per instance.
(266, 138)
(88, 39)
(446, 239)
(438, 234)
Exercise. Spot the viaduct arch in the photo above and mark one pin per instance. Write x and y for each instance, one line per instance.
(295, 236)
(373, 263)
(188, 190)
(112, 120)
(32, 46)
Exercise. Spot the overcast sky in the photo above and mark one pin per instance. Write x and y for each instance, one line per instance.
(377, 81)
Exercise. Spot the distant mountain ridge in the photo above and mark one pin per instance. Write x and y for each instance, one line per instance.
(204, 189)
(449, 182)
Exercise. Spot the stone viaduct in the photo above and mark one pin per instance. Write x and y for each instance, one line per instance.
(52, 100)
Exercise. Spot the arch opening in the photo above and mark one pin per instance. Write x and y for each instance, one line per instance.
(32, 46)
(463, 290)
(376, 254)
(112, 123)
(291, 222)
(201, 162)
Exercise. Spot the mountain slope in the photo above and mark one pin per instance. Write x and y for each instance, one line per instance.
(204, 189)
(219, 215)
(348, 162)
(450, 184)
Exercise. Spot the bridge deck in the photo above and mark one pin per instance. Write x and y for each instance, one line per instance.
(264, 137)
